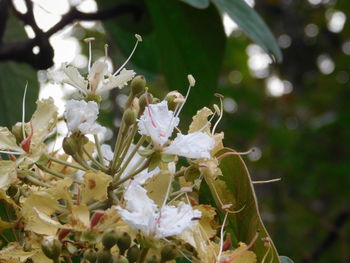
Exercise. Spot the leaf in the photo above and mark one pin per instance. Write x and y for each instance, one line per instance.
(187, 44)
(182, 43)
(201, 4)
(285, 259)
(245, 224)
(13, 79)
(251, 23)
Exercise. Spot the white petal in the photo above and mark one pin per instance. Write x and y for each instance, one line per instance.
(160, 125)
(193, 145)
(141, 211)
(107, 152)
(74, 78)
(96, 76)
(175, 220)
(118, 81)
(81, 115)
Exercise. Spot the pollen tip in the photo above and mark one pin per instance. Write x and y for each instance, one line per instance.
(218, 95)
(191, 80)
(89, 39)
(138, 37)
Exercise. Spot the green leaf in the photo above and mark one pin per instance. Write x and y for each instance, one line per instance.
(201, 4)
(13, 79)
(187, 44)
(182, 43)
(251, 23)
(285, 259)
(245, 224)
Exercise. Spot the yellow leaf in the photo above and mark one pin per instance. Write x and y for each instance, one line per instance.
(157, 187)
(239, 255)
(8, 141)
(200, 120)
(13, 252)
(80, 217)
(7, 174)
(95, 186)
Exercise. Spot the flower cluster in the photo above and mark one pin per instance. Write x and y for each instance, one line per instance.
(137, 201)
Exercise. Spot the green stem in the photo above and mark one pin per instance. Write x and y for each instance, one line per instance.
(132, 154)
(54, 173)
(98, 147)
(65, 163)
(99, 165)
(36, 181)
(117, 145)
(143, 167)
(125, 147)
(143, 255)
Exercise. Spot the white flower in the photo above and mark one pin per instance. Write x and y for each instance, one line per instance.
(193, 145)
(143, 214)
(98, 80)
(107, 153)
(158, 122)
(81, 116)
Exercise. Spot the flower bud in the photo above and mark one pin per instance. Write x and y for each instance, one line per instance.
(93, 97)
(51, 248)
(143, 101)
(110, 238)
(13, 191)
(168, 253)
(17, 131)
(63, 233)
(129, 116)
(124, 243)
(104, 256)
(138, 84)
(70, 145)
(96, 218)
(91, 255)
(133, 254)
(121, 259)
(174, 98)
(152, 259)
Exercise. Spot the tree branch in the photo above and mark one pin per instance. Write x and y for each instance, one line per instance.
(22, 51)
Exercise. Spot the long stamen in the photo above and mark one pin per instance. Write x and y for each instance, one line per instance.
(234, 153)
(192, 82)
(138, 39)
(106, 51)
(208, 123)
(24, 110)
(221, 113)
(89, 40)
(222, 238)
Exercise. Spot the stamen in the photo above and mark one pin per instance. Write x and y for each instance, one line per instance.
(149, 109)
(24, 110)
(89, 40)
(221, 112)
(221, 238)
(25, 144)
(234, 153)
(138, 39)
(106, 51)
(185, 99)
(267, 181)
(168, 189)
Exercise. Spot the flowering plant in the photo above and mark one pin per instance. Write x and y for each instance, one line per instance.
(160, 195)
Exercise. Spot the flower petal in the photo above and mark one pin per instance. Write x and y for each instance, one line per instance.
(118, 81)
(74, 78)
(158, 122)
(193, 145)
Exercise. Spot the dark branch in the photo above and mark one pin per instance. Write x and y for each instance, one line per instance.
(22, 51)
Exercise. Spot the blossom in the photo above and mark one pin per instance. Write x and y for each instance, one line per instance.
(81, 116)
(142, 213)
(159, 122)
(99, 78)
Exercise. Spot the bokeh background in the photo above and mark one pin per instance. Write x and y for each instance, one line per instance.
(295, 114)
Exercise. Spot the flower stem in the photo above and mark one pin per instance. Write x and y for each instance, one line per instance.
(99, 165)
(143, 255)
(98, 147)
(54, 173)
(117, 146)
(125, 147)
(63, 162)
(36, 181)
(132, 154)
